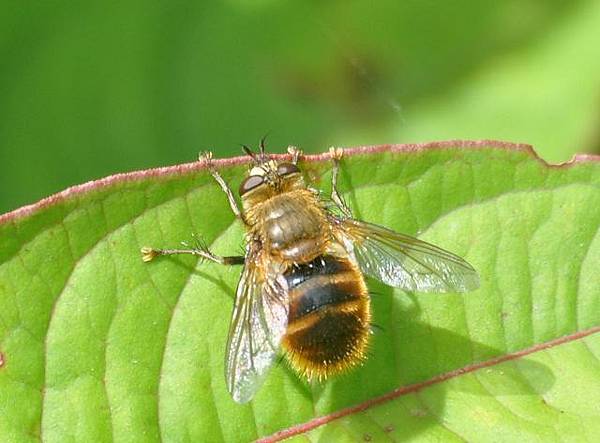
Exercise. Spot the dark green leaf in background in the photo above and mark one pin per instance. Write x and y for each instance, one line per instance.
(89, 89)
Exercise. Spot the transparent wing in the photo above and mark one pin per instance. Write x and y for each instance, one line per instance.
(404, 262)
(258, 323)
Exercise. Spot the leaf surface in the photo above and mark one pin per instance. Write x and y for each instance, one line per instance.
(97, 345)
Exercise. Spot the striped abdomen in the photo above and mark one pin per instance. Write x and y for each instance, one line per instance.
(329, 318)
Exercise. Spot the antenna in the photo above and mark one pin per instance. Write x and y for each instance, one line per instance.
(263, 156)
(251, 153)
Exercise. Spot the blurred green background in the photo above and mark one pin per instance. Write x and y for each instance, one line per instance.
(88, 89)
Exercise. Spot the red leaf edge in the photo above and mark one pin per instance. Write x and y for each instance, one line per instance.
(408, 389)
(188, 168)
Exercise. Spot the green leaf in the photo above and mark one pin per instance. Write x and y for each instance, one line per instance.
(519, 95)
(519, 400)
(97, 345)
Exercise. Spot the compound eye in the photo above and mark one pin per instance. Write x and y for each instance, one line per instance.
(250, 183)
(287, 168)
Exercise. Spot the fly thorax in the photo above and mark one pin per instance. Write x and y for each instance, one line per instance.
(294, 228)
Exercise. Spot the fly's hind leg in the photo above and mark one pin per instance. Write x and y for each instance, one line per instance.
(206, 157)
(199, 249)
(336, 155)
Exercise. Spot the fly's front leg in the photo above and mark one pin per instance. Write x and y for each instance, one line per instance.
(199, 250)
(206, 157)
(295, 153)
(336, 155)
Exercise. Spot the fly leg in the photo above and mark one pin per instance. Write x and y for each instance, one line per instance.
(199, 250)
(336, 155)
(206, 157)
(295, 153)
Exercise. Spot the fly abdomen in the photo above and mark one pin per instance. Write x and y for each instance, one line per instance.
(329, 316)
